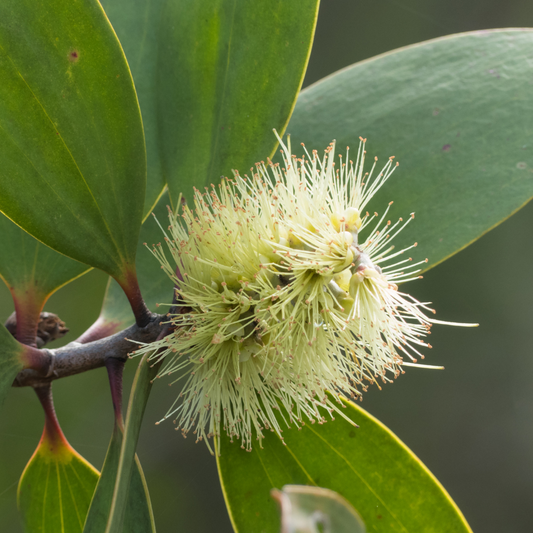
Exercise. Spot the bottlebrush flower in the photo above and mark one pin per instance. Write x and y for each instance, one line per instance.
(284, 298)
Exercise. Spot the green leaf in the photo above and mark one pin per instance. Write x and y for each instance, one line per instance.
(72, 152)
(369, 466)
(137, 29)
(155, 285)
(304, 509)
(199, 97)
(25, 262)
(32, 273)
(228, 72)
(138, 517)
(56, 488)
(455, 112)
(127, 464)
(11, 361)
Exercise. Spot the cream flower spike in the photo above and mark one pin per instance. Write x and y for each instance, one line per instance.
(282, 299)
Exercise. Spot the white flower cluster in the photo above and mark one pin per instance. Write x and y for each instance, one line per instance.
(281, 298)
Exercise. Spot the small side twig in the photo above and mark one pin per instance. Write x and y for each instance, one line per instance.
(49, 328)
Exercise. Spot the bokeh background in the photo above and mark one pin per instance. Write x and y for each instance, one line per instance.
(471, 424)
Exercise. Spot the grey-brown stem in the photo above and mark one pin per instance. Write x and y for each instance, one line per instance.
(75, 358)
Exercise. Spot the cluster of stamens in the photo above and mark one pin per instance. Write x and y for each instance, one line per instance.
(282, 300)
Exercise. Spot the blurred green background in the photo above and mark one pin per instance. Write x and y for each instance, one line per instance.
(471, 424)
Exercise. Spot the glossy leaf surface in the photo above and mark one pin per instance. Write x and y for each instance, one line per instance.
(71, 141)
(369, 466)
(11, 361)
(138, 31)
(56, 488)
(228, 72)
(305, 509)
(455, 112)
(138, 517)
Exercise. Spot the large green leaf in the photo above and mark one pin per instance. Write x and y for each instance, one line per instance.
(56, 487)
(155, 285)
(11, 361)
(138, 517)
(137, 29)
(73, 165)
(32, 273)
(369, 466)
(456, 113)
(228, 72)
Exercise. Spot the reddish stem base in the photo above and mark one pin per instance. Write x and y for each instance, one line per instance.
(53, 436)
